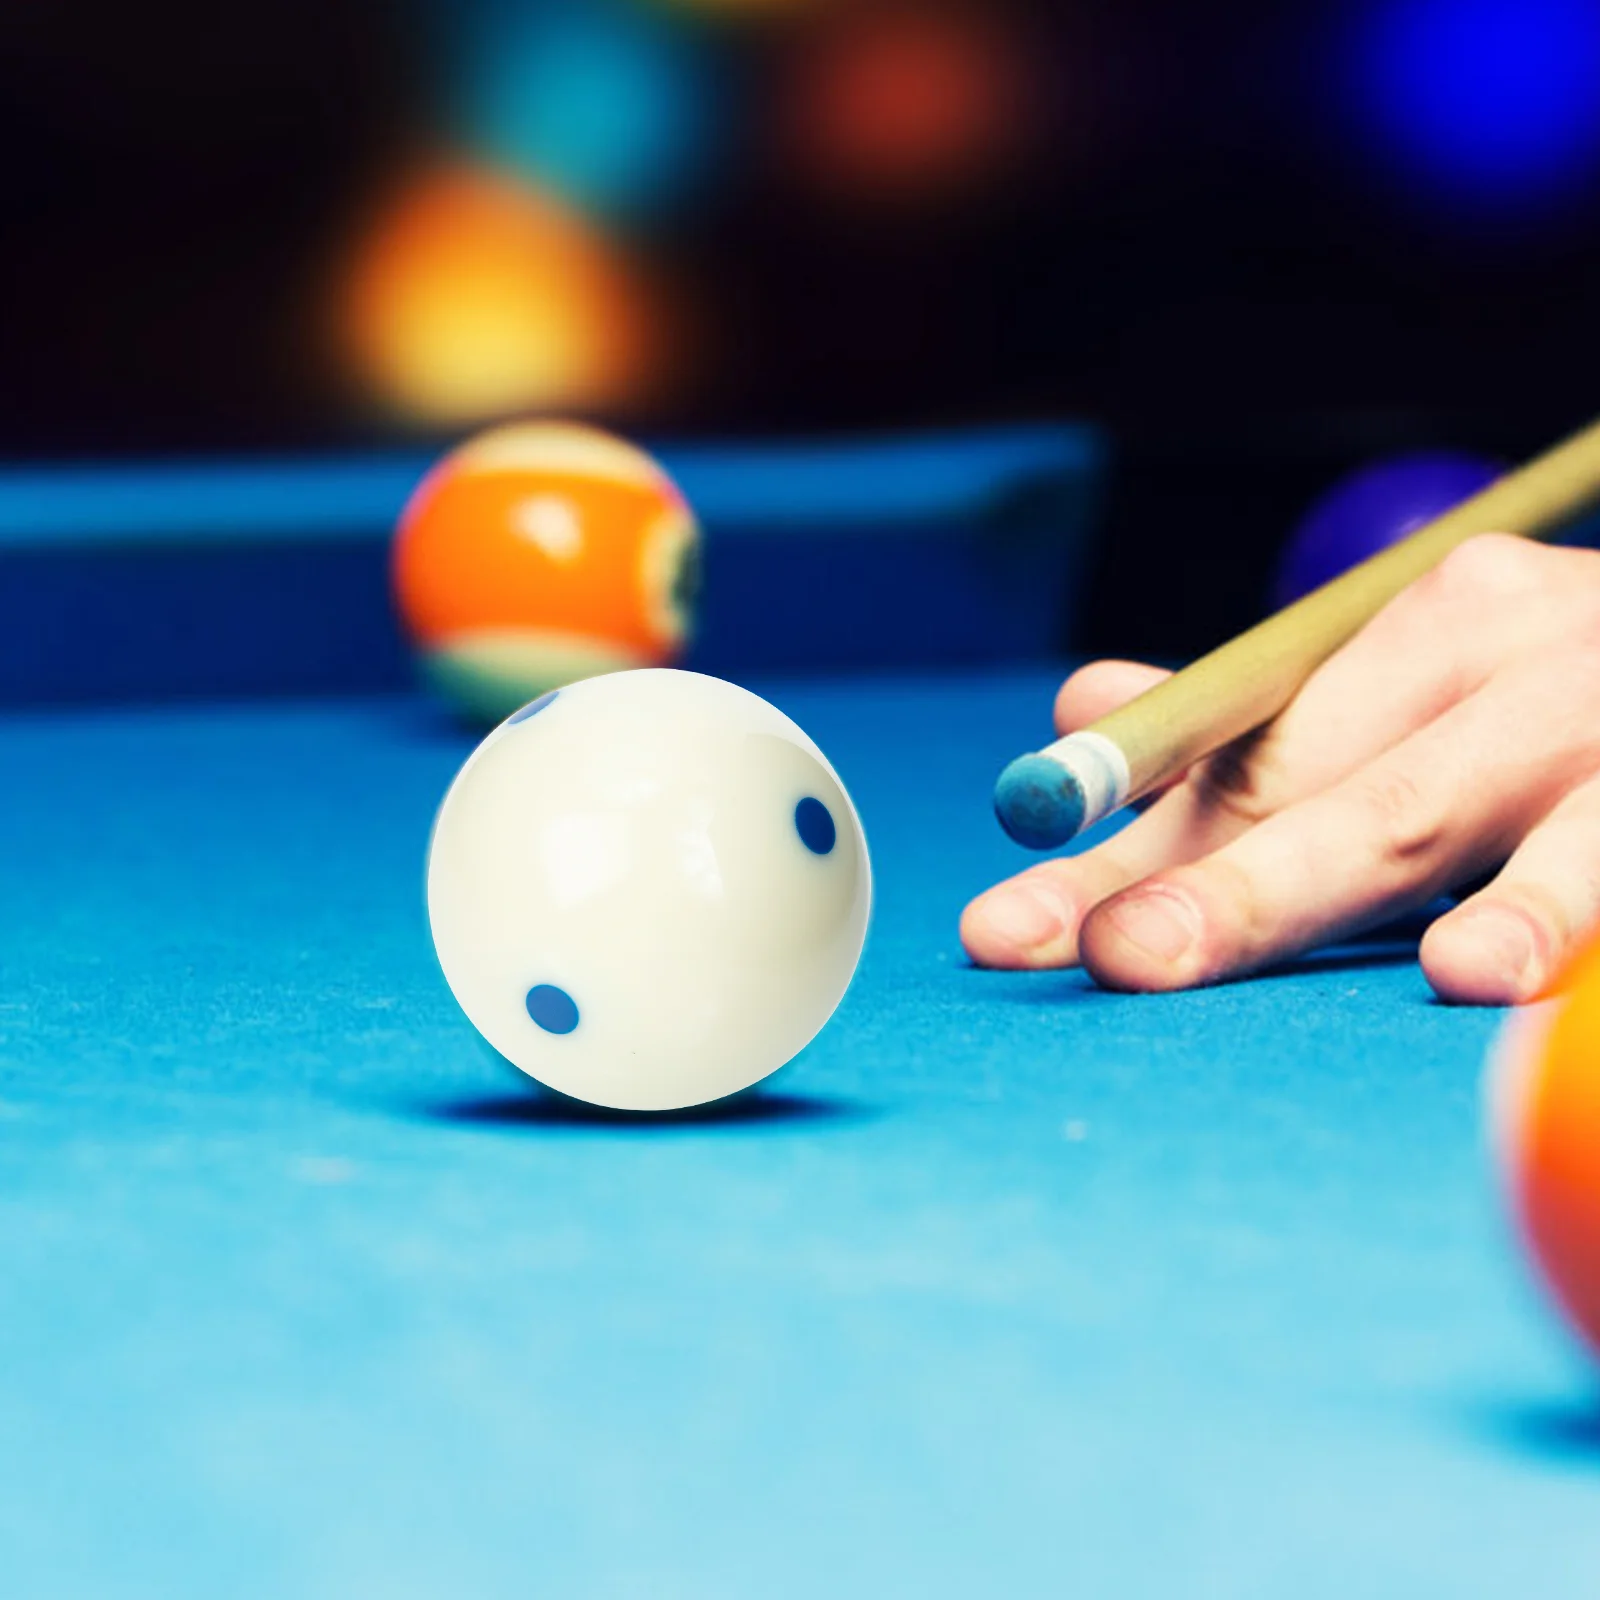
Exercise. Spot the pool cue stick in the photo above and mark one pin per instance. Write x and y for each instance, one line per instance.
(1049, 797)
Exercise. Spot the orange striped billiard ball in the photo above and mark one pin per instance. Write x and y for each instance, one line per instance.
(1545, 1110)
(538, 554)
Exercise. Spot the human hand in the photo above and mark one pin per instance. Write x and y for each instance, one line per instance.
(1456, 734)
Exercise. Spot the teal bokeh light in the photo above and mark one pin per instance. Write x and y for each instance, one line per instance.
(607, 104)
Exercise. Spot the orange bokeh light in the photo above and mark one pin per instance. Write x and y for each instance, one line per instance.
(472, 295)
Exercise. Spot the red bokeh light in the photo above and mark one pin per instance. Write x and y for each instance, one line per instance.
(908, 101)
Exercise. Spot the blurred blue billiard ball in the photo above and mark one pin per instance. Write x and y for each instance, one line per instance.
(1370, 510)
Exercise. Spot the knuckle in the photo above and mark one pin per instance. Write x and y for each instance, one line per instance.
(1409, 823)
(1486, 567)
(1243, 780)
(1584, 637)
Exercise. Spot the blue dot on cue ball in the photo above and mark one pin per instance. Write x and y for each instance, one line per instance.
(553, 1009)
(814, 823)
(533, 708)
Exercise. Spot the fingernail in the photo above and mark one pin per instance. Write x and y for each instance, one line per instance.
(1504, 941)
(1156, 921)
(1026, 915)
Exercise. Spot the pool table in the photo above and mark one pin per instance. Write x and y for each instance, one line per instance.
(1005, 1287)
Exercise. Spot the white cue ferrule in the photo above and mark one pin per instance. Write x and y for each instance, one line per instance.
(1100, 768)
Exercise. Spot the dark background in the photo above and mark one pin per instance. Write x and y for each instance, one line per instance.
(1205, 246)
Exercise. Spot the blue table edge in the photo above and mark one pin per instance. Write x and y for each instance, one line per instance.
(746, 487)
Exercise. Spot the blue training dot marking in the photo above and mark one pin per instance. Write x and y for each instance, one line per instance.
(814, 823)
(553, 1009)
(533, 708)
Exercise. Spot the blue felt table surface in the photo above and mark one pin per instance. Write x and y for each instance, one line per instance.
(1009, 1288)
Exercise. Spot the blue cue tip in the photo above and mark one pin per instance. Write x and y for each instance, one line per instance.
(1039, 803)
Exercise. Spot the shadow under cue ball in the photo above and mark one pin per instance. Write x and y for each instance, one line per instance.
(1371, 509)
(649, 890)
(538, 554)
(1544, 1112)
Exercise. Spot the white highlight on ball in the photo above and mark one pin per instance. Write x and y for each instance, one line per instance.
(551, 522)
(582, 855)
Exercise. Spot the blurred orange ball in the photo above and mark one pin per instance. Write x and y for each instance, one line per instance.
(473, 295)
(538, 554)
(1545, 1112)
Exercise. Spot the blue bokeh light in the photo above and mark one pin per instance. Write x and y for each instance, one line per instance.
(607, 105)
(1490, 104)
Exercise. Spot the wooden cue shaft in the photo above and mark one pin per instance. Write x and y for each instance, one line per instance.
(1248, 681)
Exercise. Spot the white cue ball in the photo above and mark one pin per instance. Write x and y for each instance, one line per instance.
(648, 890)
